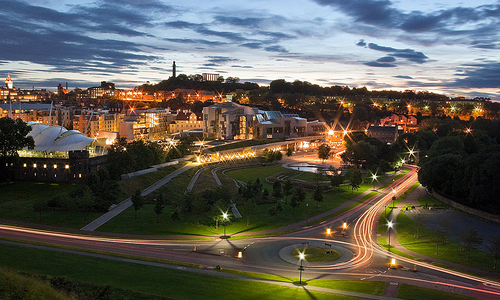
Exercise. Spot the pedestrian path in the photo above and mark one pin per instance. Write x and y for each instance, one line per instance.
(128, 202)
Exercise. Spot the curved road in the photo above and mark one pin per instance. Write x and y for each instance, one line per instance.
(362, 257)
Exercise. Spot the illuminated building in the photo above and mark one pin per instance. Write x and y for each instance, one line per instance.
(9, 83)
(186, 121)
(229, 120)
(145, 124)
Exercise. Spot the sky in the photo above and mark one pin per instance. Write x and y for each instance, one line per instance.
(449, 47)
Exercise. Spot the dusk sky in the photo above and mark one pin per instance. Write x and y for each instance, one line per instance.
(450, 47)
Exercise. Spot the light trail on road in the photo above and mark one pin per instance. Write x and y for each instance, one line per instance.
(364, 245)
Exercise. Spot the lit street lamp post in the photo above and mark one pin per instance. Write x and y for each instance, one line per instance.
(389, 234)
(301, 267)
(224, 218)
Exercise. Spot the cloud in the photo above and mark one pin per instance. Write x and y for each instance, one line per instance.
(479, 76)
(243, 22)
(243, 67)
(219, 60)
(195, 41)
(276, 48)
(361, 43)
(252, 45)
(409, 54)
(443, 23)
(379, 65)
(386, 59)
(403, 77)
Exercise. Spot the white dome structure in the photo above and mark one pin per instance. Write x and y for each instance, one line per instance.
(57, 138)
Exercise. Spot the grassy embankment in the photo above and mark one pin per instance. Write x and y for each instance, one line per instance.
(129, 279)
(18, 199)
(260, 220)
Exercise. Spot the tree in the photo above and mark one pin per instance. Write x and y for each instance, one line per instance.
(272, 155)
(287, 188)
(277, 192)
(13, 137)
(249, 209)
(39, 206)
(336, 180)
(437, 237)
(86, 201)
(199, 205)
(318, 195)
(470, 239)
(137, 201)
(355, 178)
(159, 206)
(494, 249)
(289, 152)
(324, 152)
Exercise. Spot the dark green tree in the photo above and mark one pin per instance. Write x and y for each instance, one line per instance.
(355, 178)
(494, 249)
(39, 206)
(287, 188)
(470, 239)
(324, 152)
(13, 137)
(277, 189)
(318, 195)
(159, 206)
(137, 201)
(249, 209)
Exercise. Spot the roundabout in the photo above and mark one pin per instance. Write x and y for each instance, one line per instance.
(340, 254)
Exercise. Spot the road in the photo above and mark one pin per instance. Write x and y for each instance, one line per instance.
(362, 258)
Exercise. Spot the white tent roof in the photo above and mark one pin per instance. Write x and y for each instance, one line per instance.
(57, 138)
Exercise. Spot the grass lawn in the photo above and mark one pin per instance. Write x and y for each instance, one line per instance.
(451, 251)
(146, 218)
(129, 186)
(148, 280)
(17, 200)
(411, 292)
(317, 254)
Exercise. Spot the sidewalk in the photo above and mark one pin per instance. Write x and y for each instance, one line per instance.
(128, 202)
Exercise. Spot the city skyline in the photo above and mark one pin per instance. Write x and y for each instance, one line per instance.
(442, 47)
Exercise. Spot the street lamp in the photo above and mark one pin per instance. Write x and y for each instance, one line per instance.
(224, 218)
(301, 268)
(374, 178)
(389, 233)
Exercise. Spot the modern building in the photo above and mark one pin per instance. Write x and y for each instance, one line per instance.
(59, 155)
(229, 120)
(275, 125)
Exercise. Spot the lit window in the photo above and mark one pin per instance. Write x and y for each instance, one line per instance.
(24, 165)
(55, 166)
(44, 166)
(80, 175)
(34, 165)
(66, 166)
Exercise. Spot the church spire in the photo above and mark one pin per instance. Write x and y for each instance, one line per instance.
(8, 82)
